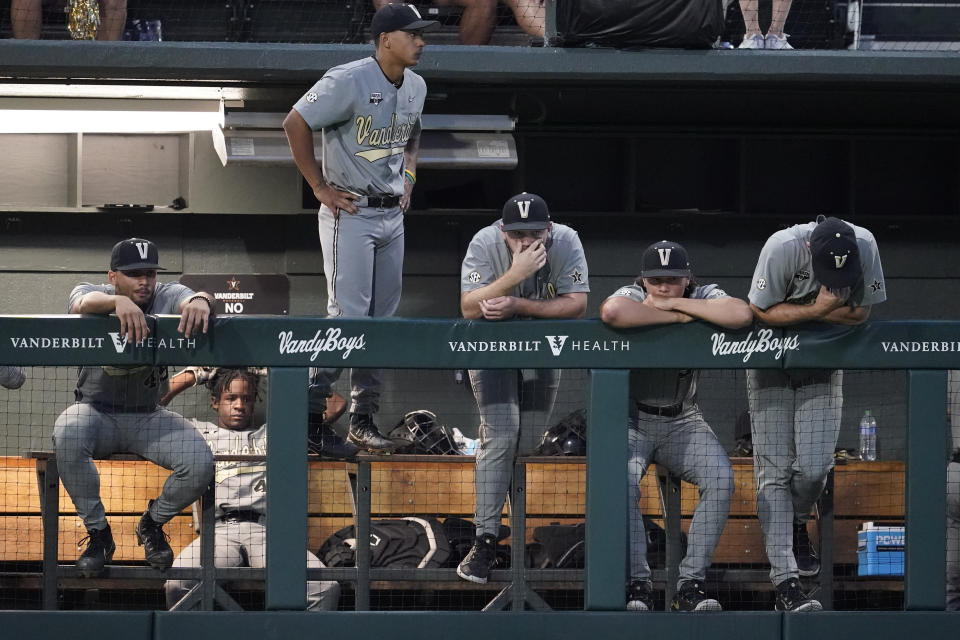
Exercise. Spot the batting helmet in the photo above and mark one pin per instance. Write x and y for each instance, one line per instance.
(566, 438)
(423, 434)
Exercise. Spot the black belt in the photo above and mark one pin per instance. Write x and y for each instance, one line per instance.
(104, 407)
(383, 202)
(245, 515)
(669, 411)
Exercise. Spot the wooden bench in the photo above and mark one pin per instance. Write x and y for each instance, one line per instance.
(441, 486)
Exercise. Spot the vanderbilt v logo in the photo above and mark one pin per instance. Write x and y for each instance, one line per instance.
(119, 343)
(142, 250)
(664, 256)
(840, 260)
(524, 206)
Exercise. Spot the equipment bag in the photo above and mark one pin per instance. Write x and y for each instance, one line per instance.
(404, 542)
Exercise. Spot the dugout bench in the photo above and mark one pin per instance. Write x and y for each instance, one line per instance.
(545, 490)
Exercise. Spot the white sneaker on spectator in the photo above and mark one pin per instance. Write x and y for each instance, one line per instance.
(773, 41)
(755, 41)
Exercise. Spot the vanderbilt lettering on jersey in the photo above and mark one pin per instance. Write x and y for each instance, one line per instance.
(392, 139)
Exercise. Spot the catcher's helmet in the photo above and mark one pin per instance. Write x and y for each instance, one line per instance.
(424, 434)
(566, 438)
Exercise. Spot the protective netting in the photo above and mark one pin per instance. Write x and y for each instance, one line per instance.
(698, 500)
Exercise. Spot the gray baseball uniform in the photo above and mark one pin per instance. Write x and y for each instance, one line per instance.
(677, 437)
(366, 123)
(503, 394)
(795, 415)
(117, 411)
(241, 497)
(12, 377)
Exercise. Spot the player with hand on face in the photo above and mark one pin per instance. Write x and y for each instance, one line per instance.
(522, 266)
(369, 113)
(666, 426)
(241, 490)
(118, 408)
(822, 271)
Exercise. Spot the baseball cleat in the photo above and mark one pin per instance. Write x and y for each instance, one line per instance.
(640, 596)
(791, 598)
(808, 561)
(365, 435)
(153, 539)
(691, 597)
(99, 551)
(476, 566)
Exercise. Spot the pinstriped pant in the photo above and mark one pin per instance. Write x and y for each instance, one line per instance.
(502, 395)
(688, 447)
(363, 264)
(794, 429)
(83, 433)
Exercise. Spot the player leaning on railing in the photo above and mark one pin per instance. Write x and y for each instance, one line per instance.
(117, 408)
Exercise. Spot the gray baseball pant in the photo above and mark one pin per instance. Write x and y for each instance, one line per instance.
(243, 544)
(688, 448)
(82, 433)
(794, 428)
(502, 396)
(953, 536)
(363, 263)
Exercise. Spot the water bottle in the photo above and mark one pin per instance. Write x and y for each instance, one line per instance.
(868, 436)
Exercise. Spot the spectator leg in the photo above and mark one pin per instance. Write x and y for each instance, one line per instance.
(530, 15)
(26, 18)
(113, 17)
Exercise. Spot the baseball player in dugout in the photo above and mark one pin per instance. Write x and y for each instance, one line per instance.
(369, 113)
(241, 490)
(823, 271)
(666, 426)
(117, 410)
(521, 266)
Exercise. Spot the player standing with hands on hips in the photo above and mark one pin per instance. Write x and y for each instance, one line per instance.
(666, 426)
(369, 113)
(522, 266)
(823, 271)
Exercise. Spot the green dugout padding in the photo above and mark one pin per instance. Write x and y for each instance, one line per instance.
(879, 625)
(77, 625)
(409, 343)
(396, 625)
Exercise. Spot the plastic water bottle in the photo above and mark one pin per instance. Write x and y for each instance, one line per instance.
(868, 436)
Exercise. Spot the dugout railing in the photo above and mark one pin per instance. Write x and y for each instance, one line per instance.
(290, 345)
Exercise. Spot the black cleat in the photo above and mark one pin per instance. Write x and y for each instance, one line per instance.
(364, 434)
(324, 441)
(791, 598)
(153, 538)
(639, 596)
(808, 561)
(99, 551)
(476, 566)
(691, 597)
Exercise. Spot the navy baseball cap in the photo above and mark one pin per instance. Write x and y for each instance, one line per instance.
(134, 253)
(665, 259)
(836, 257)
(399, 17)
(525, 211)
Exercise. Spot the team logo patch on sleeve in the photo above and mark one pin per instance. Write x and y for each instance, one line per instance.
(622, 292)
(876, 286)
(474, 277)
(376, 97)
(311, 97)
(761, 284)
(577, 276)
